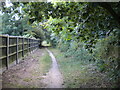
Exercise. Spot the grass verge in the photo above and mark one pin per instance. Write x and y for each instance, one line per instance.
(77, 74)
(45, 62)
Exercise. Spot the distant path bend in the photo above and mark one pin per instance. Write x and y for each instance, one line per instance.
(54, 78)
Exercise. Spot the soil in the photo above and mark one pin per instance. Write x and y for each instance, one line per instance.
(27, 73)
(53, 78)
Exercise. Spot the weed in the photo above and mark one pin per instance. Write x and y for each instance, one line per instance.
(27, 79)
(45, 63)
(78, 73)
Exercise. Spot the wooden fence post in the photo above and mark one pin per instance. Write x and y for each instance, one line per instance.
(28, 45)
(31, 44)
(7, 63)
(17, 50)
(23, 47)
(38, 43)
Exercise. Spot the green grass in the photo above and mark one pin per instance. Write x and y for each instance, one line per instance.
(27, 79)
(45, 63)
(75, 72)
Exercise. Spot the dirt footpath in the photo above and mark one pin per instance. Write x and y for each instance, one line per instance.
(54, 78)
(27, 74)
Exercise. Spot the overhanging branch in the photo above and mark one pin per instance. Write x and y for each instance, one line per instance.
(108, 7)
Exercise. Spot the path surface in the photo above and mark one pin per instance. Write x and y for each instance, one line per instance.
(28, 73)
(53, 78)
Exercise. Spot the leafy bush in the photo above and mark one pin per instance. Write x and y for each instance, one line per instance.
(107, 54)
(83, 55)
(72, 49)
(75, 50)
(64, 46)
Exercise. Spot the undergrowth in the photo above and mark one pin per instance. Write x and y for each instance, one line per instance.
(78, 73)
(104, 56)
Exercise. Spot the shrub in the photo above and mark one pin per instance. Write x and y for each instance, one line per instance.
(64, 46)
(107, 53)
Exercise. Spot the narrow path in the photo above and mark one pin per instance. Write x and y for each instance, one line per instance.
(27, 74)
(53, 78)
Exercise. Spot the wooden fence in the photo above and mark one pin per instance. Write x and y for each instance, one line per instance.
(14, 48)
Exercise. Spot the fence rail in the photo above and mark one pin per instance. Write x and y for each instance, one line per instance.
(14, 48)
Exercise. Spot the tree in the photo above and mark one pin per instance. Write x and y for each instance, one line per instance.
(89, 20)
(14, 22)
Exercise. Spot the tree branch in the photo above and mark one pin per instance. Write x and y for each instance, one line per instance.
(108, 7)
